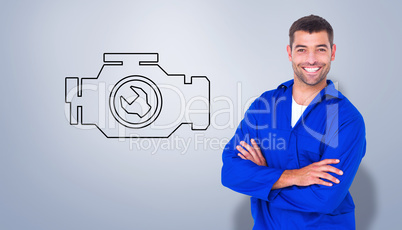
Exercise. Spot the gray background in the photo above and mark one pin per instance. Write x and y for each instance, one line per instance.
(57, 176)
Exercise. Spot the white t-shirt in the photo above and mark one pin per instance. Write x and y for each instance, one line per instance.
(297, 111)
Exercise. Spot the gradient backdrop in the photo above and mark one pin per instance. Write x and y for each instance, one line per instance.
(57, 176)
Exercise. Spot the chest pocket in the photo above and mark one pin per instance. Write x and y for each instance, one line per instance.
(309, 150)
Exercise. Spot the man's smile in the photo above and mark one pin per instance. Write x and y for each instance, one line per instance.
(311, 69)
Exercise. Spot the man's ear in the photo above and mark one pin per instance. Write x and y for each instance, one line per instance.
(333, 52)
(289, 52)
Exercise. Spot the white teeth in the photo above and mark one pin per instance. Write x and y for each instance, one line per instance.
(311, 70)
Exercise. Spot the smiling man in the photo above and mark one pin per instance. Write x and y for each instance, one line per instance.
(304, 182)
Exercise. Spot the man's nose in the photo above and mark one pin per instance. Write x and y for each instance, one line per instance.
(311, 58)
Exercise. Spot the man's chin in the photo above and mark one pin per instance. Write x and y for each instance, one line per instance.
(312, 82)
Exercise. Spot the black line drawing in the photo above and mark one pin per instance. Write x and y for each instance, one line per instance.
(128, 106)
(134, 97)
(115, 107)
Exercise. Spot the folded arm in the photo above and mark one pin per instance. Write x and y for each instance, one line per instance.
(245, 176)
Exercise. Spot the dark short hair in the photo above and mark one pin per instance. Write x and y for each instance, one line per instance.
(312, 23)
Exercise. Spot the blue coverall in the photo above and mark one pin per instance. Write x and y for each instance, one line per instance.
(330, 128)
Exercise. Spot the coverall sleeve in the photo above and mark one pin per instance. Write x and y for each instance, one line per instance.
(351, 146)
(244, 176)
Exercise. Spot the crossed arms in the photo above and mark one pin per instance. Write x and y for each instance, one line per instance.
(309, 175)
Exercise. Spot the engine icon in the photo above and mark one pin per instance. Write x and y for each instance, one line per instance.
(132, 96)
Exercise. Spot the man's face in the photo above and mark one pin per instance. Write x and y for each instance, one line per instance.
(311, 56)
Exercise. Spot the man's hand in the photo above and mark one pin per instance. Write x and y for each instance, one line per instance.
(312, 174)
(252, 153)
(309, 175)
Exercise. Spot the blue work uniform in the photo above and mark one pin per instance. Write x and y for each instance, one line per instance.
(330, 128)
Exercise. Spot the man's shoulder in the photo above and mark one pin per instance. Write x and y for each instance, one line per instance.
(271, 96)
(347, 110)
(279, 91)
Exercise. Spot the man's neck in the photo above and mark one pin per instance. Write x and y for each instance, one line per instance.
(303, 94)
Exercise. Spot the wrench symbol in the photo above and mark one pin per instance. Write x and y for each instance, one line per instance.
(139, 104)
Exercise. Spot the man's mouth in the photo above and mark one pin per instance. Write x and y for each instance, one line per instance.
(311, 70)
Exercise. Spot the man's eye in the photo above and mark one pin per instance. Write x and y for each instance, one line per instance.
(322, 50)
(300, 50)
